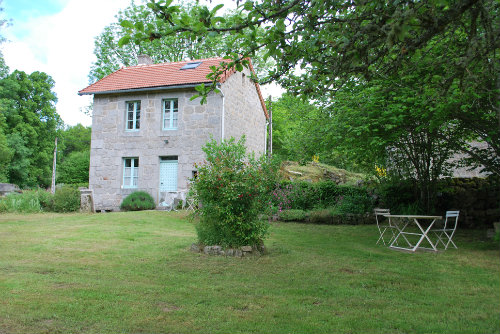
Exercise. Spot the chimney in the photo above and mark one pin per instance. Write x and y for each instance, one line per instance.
(144, 60)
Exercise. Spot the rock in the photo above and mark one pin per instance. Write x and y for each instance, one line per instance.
(7, 188)
(238, 253)
(246, 248)
(195, 248)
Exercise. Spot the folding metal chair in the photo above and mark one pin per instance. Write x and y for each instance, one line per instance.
(383, 226)
(190, 203)
(448, 230)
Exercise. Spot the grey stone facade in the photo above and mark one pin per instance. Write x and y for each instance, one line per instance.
(235, 112)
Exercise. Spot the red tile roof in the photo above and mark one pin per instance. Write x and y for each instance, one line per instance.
(156, 75)
(160, 76)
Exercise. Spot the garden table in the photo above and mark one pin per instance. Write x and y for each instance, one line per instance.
(402, 224)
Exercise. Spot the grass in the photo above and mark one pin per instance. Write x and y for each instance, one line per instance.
(133, 272)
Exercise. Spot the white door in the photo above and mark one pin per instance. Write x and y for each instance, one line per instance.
(168, 175)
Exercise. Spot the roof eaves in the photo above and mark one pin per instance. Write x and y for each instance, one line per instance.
(143, 89)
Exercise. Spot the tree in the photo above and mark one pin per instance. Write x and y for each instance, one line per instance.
(27, 103)
(5, 152)
(74, 168)
(338, 43)
(169, 48)
(294, 123)
(75, 139)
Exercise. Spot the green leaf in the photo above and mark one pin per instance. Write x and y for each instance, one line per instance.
(280, 25)
(126, 24)
(124, 40)
(139, 26)
(248, 5)
(216, 8)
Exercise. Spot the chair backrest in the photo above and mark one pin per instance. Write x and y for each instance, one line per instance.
(380, 212)
(450, 215)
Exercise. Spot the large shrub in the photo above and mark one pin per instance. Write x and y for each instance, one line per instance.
(232, 188)
(137, 201)
(66, 199)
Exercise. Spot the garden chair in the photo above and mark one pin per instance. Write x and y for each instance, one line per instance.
(171, 201)
(382, 225)
(446, 232)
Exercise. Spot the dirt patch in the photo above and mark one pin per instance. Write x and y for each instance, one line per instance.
(164, 307)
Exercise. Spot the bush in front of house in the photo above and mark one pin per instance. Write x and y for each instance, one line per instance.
(232, 189)
(66, 199)
(137, 201)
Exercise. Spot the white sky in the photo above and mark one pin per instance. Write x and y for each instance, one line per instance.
(57, 37)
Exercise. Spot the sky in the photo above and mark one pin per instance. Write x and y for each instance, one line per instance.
(57, 37)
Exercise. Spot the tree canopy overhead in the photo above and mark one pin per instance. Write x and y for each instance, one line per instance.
(324, 48)
(165, 48)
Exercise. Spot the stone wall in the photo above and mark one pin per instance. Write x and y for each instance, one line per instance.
(478, 200)
(111, 142)
(243, 111)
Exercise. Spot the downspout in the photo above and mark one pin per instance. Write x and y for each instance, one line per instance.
(265, 137)
(223, 113)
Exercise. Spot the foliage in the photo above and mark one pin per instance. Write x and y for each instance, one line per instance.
(26, 202)
(27, 104)
(293, 120)
(137, 201)
(320, 216)
(347, 43)
(232, 188)
(74, 168)
(66, 199)
(110, 57)
(292, 215)
(325, 194)
(75, 139)
(5, 152)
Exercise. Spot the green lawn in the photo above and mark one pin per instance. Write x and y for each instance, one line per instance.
(134, 273)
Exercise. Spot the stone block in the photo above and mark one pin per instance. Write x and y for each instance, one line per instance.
(246, 248)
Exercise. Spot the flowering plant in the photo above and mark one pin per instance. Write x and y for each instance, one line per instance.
(231, 187)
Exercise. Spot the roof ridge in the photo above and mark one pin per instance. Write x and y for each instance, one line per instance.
(172, 63)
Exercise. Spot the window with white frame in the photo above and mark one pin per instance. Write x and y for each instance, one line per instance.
(133, 121)
(130, 172)
(170, 114)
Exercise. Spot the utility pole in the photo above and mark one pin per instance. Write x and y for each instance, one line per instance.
(53, 186)
(270, 128)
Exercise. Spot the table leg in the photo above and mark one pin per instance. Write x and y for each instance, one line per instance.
(424, 235)
(400, 233)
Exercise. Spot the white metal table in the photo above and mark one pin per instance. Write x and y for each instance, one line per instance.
(402, 222)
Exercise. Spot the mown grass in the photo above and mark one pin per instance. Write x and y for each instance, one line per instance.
(133, 272)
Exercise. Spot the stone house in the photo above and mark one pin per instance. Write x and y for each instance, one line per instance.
(147, 134)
